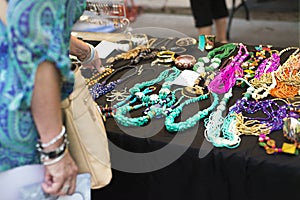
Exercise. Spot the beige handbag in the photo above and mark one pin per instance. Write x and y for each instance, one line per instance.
(86, 133)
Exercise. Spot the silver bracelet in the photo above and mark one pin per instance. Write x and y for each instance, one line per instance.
(59, 136)
(91, 58)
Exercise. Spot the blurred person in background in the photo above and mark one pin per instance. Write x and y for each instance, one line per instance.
(209, 12)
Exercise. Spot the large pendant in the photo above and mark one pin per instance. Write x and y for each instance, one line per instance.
(291, 129)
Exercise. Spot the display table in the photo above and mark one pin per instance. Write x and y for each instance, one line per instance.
(201, 171)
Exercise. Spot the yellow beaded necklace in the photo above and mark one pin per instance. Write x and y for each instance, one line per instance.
(98, 76)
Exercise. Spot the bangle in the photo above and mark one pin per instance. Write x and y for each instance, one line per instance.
(59, 136)
(48, 155)
(56, 160)
(92, 55)
(185, 61)
(165, 56)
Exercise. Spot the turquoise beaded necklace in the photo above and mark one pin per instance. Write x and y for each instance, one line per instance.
(136, 91)
(158, 107)
(164, 99)
(171, 126)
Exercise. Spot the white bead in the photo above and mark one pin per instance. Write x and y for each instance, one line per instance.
(215, 65)
(200, 64)
(221, 107)
(201, 69)
(154, 97)
(165, 91)
(228, 95)
(139, 95)
(216, 60)
(205, 59)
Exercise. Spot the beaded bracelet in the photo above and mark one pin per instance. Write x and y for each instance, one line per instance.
(48, 155)
(185, 61)
(92, 55)
(55, 139)
(56, 160)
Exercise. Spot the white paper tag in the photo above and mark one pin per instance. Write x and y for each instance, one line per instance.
(186, 78)
(105, 48)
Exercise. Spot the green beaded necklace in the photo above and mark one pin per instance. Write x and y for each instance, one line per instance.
(214, 58)
(171, 126)
(162, 99)
(157, 108)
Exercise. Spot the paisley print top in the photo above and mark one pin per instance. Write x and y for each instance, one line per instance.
(36, 31)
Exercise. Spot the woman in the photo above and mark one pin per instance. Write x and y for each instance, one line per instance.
(35, 43)
(207, 12)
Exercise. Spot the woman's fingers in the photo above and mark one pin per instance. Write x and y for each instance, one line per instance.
(60, 178)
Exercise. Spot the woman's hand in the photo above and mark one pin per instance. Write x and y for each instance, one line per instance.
(95, 63)
(86, 53)
(60, 178)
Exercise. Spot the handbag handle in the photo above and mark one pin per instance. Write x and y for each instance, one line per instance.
(3, 6)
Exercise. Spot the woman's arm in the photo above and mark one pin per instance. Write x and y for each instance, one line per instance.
(79, 48)
(3, 6)
(46, 111)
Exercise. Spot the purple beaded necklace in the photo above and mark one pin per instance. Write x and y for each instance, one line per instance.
(227, 76)
(274, 112)
(268, 65)
(100, 89)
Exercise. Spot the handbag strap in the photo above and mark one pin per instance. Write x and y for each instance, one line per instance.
(79, 84)
(3, 8)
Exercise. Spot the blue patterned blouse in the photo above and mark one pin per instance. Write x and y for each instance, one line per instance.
(36, 30)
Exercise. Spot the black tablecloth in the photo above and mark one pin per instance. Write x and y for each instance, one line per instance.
(243, 173)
